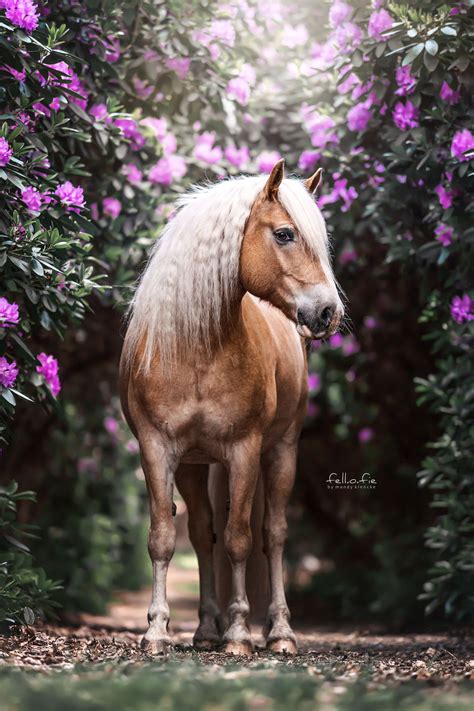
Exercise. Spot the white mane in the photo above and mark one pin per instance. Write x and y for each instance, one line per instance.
(193, 270)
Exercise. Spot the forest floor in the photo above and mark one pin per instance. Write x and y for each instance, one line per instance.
(98, 664)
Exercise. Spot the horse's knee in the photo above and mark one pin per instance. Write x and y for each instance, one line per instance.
(238, 541)
(162, 539)
(274, 533)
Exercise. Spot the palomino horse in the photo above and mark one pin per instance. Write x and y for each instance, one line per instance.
(212, 372)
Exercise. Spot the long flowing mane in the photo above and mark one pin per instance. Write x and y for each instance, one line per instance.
(193, 270)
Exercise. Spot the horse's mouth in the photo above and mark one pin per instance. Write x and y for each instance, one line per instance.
(304, 331)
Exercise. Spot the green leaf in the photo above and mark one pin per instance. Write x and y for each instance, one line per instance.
(9, 397)
(431, 47)
(412, 53)
(449, 31)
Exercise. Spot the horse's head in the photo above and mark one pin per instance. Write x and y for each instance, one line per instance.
(284, 257)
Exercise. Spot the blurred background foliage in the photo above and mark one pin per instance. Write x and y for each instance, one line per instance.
(111, 109)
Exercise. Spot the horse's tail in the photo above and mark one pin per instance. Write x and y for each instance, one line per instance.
(258, 589)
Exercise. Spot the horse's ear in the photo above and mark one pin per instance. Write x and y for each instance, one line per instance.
(274, 180)
(312, 184)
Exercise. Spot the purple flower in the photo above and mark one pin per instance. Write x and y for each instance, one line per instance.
(350, 346)
(132, 446)
(33, 199)
(18, 75)
(444, 234)
(111, 425)
(445, 196)
(320, 127)
(347, 256)
(340, 192)
(365, 435)
(237, 157)
(8, 372)
(462, 308)
(370, 322)
(112, 207)
(22, 13)
(314, 381)
(179, 65)
(205, 149)
(294, 36)
(336, 341)
(266, 160)
(406, 82)
(70, 196)
(132, 173)
(130, 130)
(68, 80)
(5, 151)
(239, 89)
(339, 12)
(9, 313)
(463, 141)
(308, 160)
(358, 117)
(379, 21)
(323, 55)
(451, 96)
(405, 115)
(347, 36)
(49, 370)
(167, 169)
(100, 113)
(349, 83)
(112, 47)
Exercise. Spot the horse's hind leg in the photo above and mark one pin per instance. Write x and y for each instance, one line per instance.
(159, 467)
(191, 480)
(278, 469)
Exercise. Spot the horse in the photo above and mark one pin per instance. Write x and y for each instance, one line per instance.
(214, 370)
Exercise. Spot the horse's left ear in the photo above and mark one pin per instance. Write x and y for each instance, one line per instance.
(313, 183)
(274, 180)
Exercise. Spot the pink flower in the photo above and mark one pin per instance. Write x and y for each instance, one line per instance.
(445, 196)
(132, 446)
(22, 13)
(308, 160)
(49, 370)
(336, 341)
(349, 83)
(339, 12)
(406, 82)
(266, 160)
(340, 192)
(358, 117)
(132, 173)
(237, 157)
(70, 196)
(348, 36)
(55, 104)
(33, 199)
(9, 313)
(323, 55)
(462, 308)
(5, 151)
(112, 207)
(179, 65)
(294, 36)
(100, 113)
(112, 47)
(463, 141)
(379, 21)
(111, 425)
(350, 346)
(130, 130)
(314, 381)
(347, 256)
(320, 127)
(169, 144)
(405, 115)
(8, 372)
(167, 169)
(370, 322)
(365, 435)
(68, 80)
(18, 75)
(444, 234)
(141, 87)
(239, 89)
(205, 150)
(451, 96)
(159, 126)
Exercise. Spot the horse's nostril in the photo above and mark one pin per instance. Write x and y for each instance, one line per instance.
(326, 316)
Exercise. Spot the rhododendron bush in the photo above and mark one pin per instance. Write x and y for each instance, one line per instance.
(109, 110)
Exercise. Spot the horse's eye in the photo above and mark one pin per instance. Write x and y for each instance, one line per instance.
(284, 235)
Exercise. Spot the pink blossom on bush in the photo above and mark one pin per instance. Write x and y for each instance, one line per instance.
(405, 81)
(49, 369)
(339, 12)
(112, 49)
(462, 308)
(71, 197)
(132, 173)
(340, 192)
(9, 313)
(323, 55)
(179, 65)
(379, 21)
(169, 144)
(239, 89)
(132, 446)
(167, 169)
(370, 322)
(336, 341)
(347, 36)
(112, 207)
(347, 256)
(8, 372)
(314, 381)
(237, 157)
(266, 160)
(159, 126)
(444, 234)
(111, 425)
(405, 115)
(349, 83)
(32, 198)
(365, 435)
(308, 160)
(18, 75)
(445, 196)
(68, 80)
(205, 149)
(320, 127)
(100, 113)
(22, 13)
(130, 130)
(294, 36)
(142, 89)
(451, 96)
(358, 117)
(463, 141)
(5, 151)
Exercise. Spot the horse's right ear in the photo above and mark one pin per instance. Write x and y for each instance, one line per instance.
(313, 183)
(274, 180)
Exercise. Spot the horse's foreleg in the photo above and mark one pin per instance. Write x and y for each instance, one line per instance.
(159, 467)
(191, 480)
(278, 469)
(244, 465)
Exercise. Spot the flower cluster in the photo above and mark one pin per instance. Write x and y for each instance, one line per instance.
(22, 13)
(49, 369)
(9, 313)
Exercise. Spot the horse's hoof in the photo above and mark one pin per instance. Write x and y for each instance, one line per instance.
(282, 646)
(204, 645)
(238, 649)
(155, 647)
